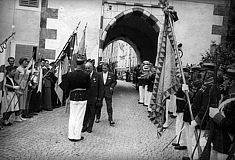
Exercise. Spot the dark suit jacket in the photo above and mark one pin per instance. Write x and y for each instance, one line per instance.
(93, 92)
(110, 83)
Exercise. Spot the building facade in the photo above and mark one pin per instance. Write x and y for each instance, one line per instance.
(47, 24)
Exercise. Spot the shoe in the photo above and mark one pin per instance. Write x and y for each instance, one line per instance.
(185, 158)
(141, 102)
(170, 112)
(180, 147)
(84, 130)
(173, 116)
(152, 118)
(23, 119)
(111, 123)
(76, 140)
(7, 124)
(89, 131)
(175, 144)
(18, 119)
(97, 120)
(27, 116)
(48, 109)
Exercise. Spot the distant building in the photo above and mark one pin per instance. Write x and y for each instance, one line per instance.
(122, 54)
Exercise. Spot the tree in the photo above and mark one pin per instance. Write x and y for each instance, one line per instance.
(225, 54)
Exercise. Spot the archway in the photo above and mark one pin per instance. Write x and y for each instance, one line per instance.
(137, 27)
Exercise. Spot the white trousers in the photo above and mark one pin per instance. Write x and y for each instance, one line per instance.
(178, 126)
(149, 100)
(172, 105)
(141, 94)
(166, 113)
(76, 116)
(191, 140)
(217, 155)
(146, 95)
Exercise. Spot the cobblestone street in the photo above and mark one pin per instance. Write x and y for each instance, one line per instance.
(133, 137)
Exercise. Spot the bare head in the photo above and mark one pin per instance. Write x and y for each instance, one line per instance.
(105, 67)
(89, 67)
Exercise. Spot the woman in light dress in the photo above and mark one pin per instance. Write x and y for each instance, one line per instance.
(10, 101)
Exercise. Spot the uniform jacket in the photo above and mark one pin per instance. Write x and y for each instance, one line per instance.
(150, 82)
(74, 80)
(181, 102)
(46, 80)
(223, 126)
(200, 105)
(110, 83)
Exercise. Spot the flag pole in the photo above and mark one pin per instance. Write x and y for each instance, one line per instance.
(62, 51)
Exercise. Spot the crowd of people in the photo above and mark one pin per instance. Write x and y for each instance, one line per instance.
(22, 97)
(209, 132)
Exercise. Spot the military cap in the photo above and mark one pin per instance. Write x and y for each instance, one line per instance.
(196, 68)
(80, 59)
(185, 69)
(146, 63)
(208, 66)
(231, 72)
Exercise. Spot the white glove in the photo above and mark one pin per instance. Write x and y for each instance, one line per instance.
(16, 87)
(185, 87)
(193, 123)
(213, 112)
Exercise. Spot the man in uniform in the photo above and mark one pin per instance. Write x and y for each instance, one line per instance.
(93, 95)
(75, 86)
(224, 121)
(204, 97)
(108, 82)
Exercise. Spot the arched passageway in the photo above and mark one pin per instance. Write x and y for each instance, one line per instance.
(138, 27)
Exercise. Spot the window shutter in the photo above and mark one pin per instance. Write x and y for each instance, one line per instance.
(33, 3)
(29, 3)
(23, 51)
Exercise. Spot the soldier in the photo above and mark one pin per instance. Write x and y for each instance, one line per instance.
(204, 97)
(93, 96)
(181, 104)
(224, 122)
(75, 86)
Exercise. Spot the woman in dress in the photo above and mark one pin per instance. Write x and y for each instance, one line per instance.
(10, 102)
(21, 78)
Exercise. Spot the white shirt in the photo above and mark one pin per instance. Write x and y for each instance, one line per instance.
(91, 74)
(105, 75)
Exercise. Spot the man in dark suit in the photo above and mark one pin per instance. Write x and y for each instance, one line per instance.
(108, 82)
(93, 95)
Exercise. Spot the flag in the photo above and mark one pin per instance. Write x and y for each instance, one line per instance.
(82, 45)
(2, 77)
(62, 70)
(32, 60)
(40, 79)
(74, 53)
(70, 47)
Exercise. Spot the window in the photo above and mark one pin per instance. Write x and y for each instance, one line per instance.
(29, 3)
(24, 51)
